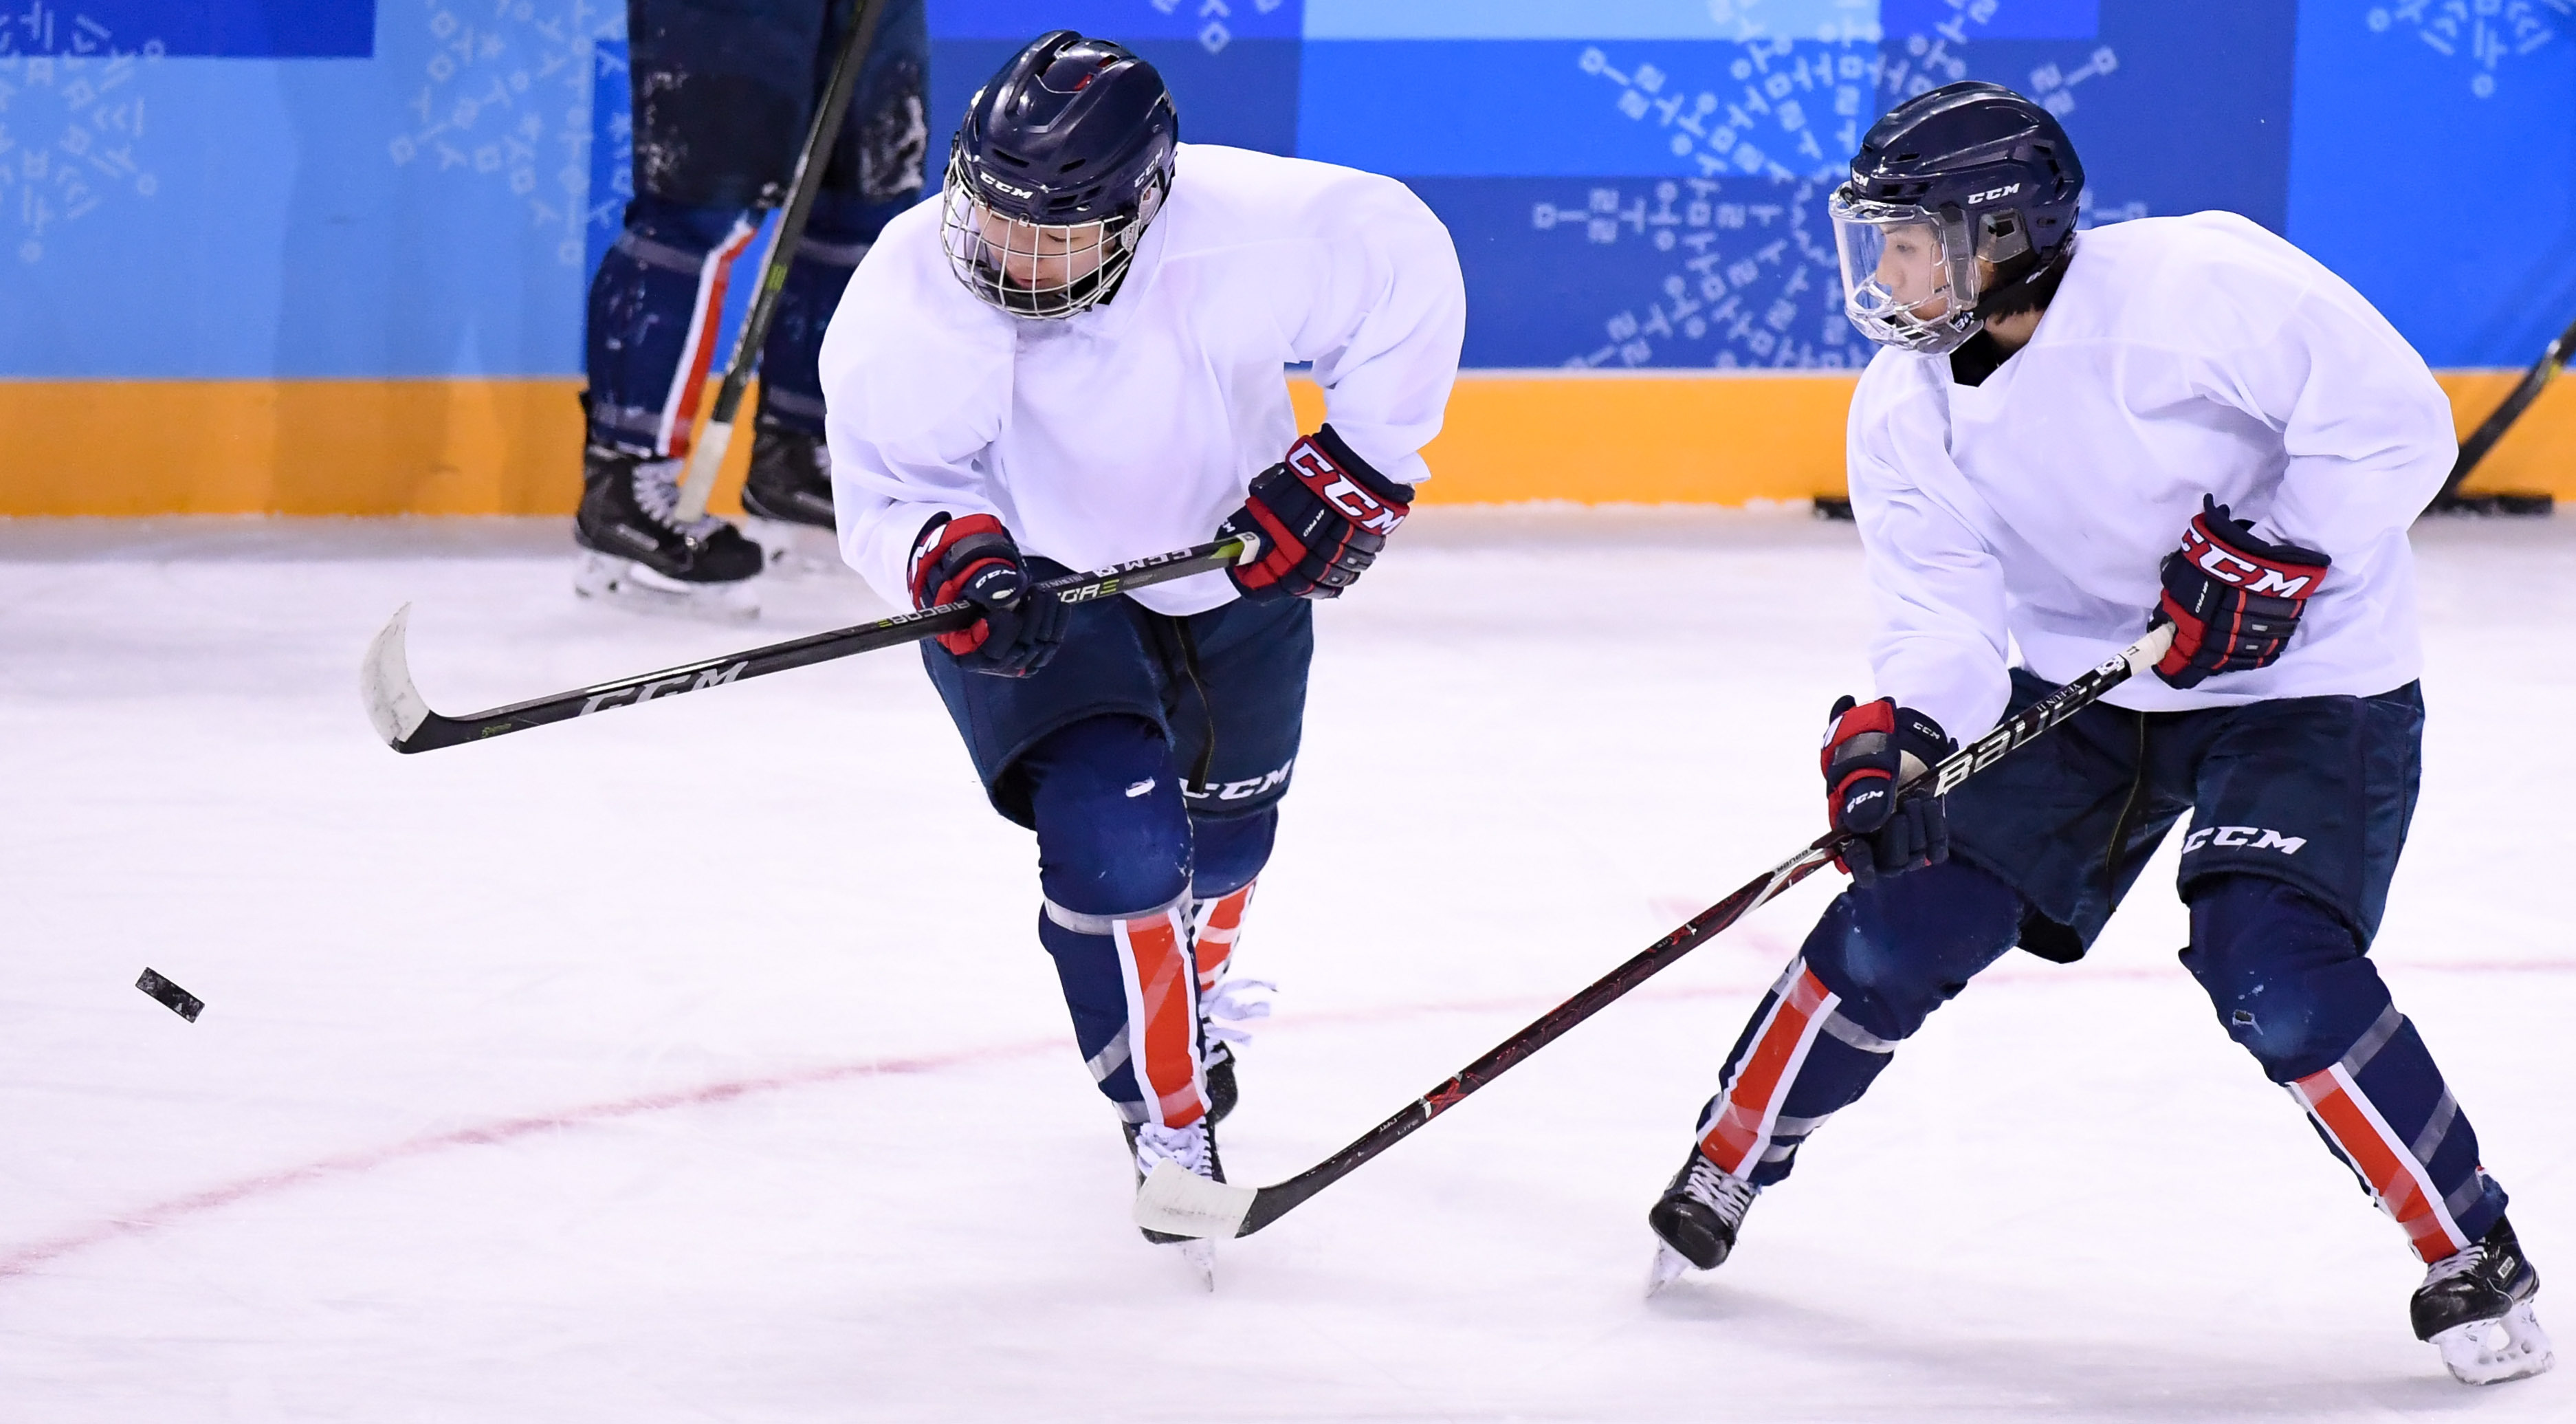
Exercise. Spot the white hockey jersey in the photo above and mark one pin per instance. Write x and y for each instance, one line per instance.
(1135, 427)
(2181, 357)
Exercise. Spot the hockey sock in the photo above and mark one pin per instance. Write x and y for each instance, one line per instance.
(2291, 982)
(1229, 854)
(651, 336)
(1897, 950)
(1114, 863)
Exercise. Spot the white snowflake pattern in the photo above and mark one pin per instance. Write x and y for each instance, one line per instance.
(2484, 32)
(505, 97)
(72, 121)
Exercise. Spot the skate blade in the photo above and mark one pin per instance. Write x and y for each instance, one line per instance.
(1202, 1258)
(800, 550)
(2509, 1347)
(626, 584)
(1669, 1266)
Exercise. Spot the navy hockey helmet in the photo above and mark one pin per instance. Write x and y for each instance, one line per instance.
(1064, 156)
(1960, 207)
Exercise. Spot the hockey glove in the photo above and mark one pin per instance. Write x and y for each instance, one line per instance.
(1872, 749)
(1322, 515)
(2234, 599)
(975, 559)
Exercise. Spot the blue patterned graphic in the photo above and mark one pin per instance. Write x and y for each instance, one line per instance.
(186, 192)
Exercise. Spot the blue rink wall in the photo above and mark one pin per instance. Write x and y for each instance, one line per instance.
(301, 190)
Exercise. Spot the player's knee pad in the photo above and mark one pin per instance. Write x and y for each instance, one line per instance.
(1908, 944)
(2289, 980)
(1113, 832)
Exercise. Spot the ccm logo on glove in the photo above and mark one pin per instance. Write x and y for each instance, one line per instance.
(2233, 597)
(1322, 515)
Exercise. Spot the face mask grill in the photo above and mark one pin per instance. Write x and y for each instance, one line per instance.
(1044, 271)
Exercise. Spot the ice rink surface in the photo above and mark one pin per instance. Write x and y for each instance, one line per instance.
(700, 1063)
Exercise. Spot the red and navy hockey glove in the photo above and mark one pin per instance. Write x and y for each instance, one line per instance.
(975, 559)
(1322, 515)
(1871, 749)
(2234, 599)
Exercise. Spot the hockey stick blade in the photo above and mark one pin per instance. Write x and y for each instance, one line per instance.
(1203, 1206)
(385, 685)
(407, 723)
(1179, 1202)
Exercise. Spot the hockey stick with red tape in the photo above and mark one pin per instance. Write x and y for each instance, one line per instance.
(1176, 1201)
(405, 722)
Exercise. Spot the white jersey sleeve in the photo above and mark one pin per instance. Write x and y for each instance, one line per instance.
(1382, 315)
(1935, 584)
(906, 446)
(2365, 430)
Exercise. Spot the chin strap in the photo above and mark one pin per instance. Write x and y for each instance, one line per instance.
(2027, 282)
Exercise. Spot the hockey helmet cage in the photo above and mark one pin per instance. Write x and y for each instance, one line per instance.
(1064, 157)
(1964, 172)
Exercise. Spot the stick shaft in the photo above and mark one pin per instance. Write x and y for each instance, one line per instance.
(2502, 418)
(1272, 1202)
(439, 731)
(812, 159)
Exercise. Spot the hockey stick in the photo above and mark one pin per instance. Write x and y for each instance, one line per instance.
(2491, 430)
(708, 455)
(1177, 1201)
(405, 722)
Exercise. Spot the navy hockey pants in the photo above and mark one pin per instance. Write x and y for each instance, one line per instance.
(1149, 755)
(723, 93)
(2308, 797)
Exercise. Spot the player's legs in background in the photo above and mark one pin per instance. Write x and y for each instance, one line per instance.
(1871, 971)
(719, 91)
(875, 171)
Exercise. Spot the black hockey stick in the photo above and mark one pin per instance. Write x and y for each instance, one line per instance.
(707, 456)
(1176, 1201)
(407, 724)
(2491, 430)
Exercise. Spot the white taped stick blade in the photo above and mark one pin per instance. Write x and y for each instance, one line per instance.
(384, 683)
(1179, 1202)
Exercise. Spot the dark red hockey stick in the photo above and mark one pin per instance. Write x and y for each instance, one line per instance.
(405, 722)
(1176, 1201)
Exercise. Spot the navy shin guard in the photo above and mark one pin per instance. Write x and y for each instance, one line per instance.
(2290, 982)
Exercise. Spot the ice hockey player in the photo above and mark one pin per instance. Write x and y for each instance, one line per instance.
(1074, 358)
(723, 93)
(2184, 420)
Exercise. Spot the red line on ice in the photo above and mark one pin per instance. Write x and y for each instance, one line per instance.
(21, 1260)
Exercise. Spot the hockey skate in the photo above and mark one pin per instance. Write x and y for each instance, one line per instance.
(635, 555)
(2475, 1307)
(788, 500)
(1696, 1219)
(1192, 1148)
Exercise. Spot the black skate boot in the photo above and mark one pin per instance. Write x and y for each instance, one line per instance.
(788, 496)
(1696, 1219)
(1194, 1148)
(636, 554)
(1221, 1089)
(2475, 1307)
